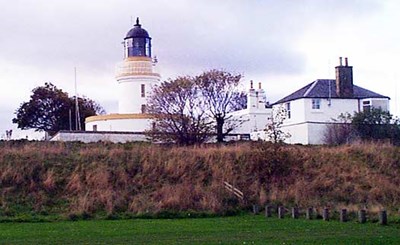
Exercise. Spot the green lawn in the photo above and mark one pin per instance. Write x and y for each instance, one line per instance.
(245, 229)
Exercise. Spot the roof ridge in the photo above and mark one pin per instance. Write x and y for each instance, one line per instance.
(310, 88)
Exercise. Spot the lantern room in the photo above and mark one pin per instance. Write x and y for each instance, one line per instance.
(137, 42)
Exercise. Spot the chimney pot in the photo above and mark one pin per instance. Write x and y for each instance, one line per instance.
(259, 85)
(340, 61)
(346, 61)
(251, 84)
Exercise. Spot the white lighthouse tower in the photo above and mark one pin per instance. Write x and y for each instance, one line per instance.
(135, 76)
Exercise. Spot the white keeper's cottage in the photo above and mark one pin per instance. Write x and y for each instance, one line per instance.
(313, 107)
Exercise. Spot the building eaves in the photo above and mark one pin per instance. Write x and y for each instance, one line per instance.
(326, 88)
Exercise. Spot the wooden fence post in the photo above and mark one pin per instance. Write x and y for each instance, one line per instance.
(383, 217)
(343, 215)
(295, 212)
(256, 209)
(325, 214)
(362, 216)
(268, 211)
(281, 212)
(309, 213)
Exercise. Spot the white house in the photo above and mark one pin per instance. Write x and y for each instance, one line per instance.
(254, 118)
(313, 107)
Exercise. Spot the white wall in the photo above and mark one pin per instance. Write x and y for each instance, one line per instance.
(308, 126)
(297, 108)
(130, 97)
(131, 74)
(88, 137)
(253, 120)
(380, 103)
(120, 125)
(298, 133)
(316, 133)
(328, 112)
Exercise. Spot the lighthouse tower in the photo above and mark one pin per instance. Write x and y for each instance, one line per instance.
(135, 74)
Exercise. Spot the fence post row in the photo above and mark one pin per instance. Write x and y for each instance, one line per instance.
(268, 211)
(343, 215)
(362, 216)
(325, 214)
(281, 212)
(309, 213)
(383, 217)
(256, 209)
(295, 212)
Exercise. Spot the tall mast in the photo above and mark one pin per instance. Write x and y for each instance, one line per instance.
(77, 115)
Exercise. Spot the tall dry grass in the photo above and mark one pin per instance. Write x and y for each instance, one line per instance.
(54, 177)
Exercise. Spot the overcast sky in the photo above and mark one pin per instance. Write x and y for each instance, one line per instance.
(283, 44)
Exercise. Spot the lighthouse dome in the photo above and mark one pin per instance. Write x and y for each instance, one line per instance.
(137, 31)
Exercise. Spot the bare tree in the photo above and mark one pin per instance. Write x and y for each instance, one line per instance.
(273, 130)
(179, 113)
(239, 101)
(219, 90)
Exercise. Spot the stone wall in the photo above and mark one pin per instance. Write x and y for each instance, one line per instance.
(91, 136)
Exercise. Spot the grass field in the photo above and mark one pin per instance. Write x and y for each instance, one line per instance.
(246, 229)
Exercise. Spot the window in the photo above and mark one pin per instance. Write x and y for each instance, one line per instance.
(143, 91)
(95, 127)
(366, 105)
(143, 108)
(287, 107)
(316, 104)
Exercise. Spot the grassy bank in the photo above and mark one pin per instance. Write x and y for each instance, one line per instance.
(246, 229)
(84, 180)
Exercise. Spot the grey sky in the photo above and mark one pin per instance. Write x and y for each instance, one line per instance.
(283, 44)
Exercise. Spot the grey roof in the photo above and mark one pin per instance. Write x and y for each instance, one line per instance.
(137, 31)
(326, 88)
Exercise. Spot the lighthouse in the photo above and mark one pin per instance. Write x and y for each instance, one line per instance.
(135, 74)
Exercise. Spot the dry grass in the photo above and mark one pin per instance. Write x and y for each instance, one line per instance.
(139, 178)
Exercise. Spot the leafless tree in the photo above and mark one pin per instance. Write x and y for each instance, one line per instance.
(219, 90)
(273, 130)
(179, 113)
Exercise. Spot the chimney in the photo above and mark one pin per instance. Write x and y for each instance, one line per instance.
(344, 79)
